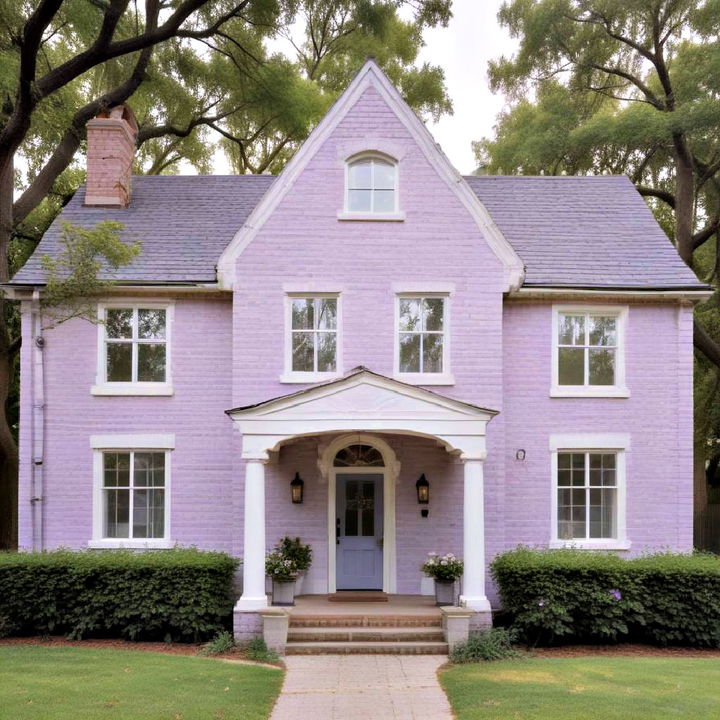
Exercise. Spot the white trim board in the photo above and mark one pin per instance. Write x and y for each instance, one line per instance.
(372, 76)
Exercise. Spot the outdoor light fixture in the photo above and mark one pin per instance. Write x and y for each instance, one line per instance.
(296, 488)
(520, 455)
(423, 490)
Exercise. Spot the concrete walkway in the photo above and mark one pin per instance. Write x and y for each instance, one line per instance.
(362, 687)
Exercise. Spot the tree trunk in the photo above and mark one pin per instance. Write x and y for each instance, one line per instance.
(8, 447)
(684, 201)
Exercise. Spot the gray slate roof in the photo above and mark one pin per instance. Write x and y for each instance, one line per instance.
(569, 231)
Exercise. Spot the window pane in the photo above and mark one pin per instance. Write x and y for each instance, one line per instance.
(571, 366)
(577, 471)
(351, 508)
(384, 201)
(302, 352)
(151, 363)
(384, 175)
(151, 324)
(326, 352)
(368, 510)
(148, 513)
(571, 330)
(564, 460)
(571, 514)
(432, 353)
(327, 319)
(359, 175)
(602, 330)
(409, 352)
(149, 469)
(601, 367)
(303, 314)
(117, 513)
(359, 200)
(409, 314)
(119, 362)
(116, 469)
(118, 322)
(433, 311)
(602, 513)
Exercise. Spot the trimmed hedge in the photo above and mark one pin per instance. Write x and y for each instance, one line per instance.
(179, 594)
(663, 599)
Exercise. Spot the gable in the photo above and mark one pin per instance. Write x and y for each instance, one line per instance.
(372, 83)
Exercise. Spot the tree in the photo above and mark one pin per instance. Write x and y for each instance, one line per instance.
(191, 67)
(632, 87)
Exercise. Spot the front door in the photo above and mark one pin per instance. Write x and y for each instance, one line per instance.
(359, 531)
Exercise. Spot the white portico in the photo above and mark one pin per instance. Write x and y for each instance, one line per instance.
(361, 410)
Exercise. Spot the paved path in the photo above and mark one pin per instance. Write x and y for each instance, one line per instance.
(362, 687)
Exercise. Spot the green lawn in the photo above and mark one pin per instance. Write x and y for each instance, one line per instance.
(75, 684)
(637, 688)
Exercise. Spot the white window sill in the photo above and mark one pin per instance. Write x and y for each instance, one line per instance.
(118, 543)
(308, 377)
(426, 378)
(371, 217)
(155, 389)
(593, 391)
(591, 544)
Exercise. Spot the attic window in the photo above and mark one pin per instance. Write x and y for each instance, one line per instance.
(371, 186)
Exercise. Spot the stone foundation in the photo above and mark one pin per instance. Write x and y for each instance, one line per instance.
(247, 625)
(480, 621)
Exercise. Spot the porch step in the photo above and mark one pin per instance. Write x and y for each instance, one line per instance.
(365, 634)
(368, 621)
(367, 648)
(358, 596)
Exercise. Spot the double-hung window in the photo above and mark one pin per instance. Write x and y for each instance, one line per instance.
(134, 355)
(313, 342)
(422, 337)
(588, 351)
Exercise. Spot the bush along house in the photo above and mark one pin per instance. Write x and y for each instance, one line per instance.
(436, 363)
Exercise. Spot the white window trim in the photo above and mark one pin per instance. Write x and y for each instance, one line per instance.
(444, 378)
(117, 442)
(346, 214)
(619, 389)
(102, 386)
(293, 376)
(619, 443)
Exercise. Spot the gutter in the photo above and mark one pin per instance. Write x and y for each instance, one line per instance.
(37, 484)
(689, 294)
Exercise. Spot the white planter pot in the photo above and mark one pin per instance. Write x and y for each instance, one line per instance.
(283, 593)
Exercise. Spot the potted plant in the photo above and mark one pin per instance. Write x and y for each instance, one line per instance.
(283, 565)
(300, 554)
(445, 570)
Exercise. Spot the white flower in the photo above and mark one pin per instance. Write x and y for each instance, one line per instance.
(443, 562)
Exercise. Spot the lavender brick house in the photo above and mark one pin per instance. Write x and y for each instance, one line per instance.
(364, 319)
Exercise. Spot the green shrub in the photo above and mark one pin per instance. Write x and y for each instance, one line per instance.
(589, 596)
(490, 644)
(221, 643)
(258, 651)
(179, 594)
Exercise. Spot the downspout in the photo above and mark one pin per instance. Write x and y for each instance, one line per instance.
(38, 425)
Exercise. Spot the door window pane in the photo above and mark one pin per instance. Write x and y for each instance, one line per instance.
(368, 510)
(351, 508)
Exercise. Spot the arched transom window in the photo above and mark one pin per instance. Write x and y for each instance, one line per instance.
(359, 456)
(372, 185)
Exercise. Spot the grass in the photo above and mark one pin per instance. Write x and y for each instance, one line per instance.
(641, 688)
(79, 684)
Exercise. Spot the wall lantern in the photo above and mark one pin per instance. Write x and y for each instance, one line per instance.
(520, 455)
(296, 488)
(423, 490)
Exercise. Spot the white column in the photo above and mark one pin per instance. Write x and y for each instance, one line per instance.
(474, 538)
(253, 596)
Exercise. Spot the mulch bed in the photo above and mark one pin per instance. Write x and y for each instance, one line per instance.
(625, 650)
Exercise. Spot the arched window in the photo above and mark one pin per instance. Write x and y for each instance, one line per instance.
(359, 456)
(371, 185)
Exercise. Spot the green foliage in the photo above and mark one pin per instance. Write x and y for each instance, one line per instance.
(572, 594)
(445, 568)
(486, 645)
(258, 651)
(287, 560)
(294, 550)
(74, 276)
(220, 644)
(179, 594)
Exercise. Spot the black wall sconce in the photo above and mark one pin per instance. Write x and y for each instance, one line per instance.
(423, 493)
(296, 488)
(520, 455)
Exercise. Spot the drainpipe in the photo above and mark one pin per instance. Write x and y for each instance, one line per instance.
(38, 424)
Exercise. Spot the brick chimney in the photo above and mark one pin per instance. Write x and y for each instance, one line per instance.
(110, 152)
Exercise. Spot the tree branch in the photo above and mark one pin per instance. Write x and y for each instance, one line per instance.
(664, 195)
(702, 236)
(705, 344)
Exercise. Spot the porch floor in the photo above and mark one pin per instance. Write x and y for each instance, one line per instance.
(421, 605)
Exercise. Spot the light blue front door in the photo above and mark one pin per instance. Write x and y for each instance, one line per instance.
(359, 531)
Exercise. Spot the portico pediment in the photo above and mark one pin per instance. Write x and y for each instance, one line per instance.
(362, 401)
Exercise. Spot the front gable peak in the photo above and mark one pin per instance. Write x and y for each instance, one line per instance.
(371, 78)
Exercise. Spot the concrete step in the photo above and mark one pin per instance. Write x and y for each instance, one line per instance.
(315, 621)
(366, 648)
(365, 634)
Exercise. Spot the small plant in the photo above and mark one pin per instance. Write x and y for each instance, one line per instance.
(287, 560)
(221, 643)
(258, 651)
(443, 568)
(294, 550)
(487, 645)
